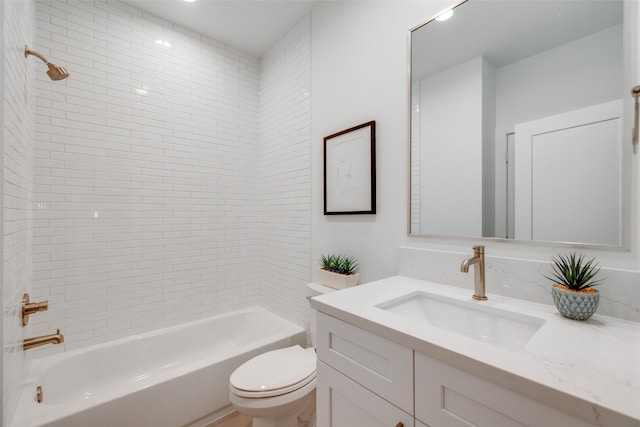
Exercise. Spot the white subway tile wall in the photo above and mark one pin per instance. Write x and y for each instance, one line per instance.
(150, 208)
(285, 174)
(17, 24)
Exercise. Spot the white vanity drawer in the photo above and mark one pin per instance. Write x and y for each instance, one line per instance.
(380, 365)
(449, 397)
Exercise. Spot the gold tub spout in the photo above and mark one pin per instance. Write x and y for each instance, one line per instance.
(34, 342)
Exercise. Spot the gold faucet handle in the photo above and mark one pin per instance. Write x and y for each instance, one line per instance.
(478, 250)
(29, 308)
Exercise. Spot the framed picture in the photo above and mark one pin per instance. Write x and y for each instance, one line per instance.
(350, 171)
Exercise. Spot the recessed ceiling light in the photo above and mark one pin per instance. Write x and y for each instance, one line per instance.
(189, 1)
(445, 15)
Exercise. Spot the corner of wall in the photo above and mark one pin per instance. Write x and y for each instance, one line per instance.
(285, 173)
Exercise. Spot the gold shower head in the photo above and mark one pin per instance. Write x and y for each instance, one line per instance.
(54, 72)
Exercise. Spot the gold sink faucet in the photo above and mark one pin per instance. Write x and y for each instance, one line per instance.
(478, 280)
(34, 342)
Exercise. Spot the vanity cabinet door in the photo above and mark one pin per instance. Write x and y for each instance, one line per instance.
(343, 403)
(380, 365)
(449, 397)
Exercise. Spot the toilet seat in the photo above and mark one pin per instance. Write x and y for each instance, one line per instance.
(274, 373)
(272, 393)
(276, 406)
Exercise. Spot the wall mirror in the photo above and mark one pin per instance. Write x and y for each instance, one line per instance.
(516, 123)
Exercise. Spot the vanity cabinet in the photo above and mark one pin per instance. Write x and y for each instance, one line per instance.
(365, 380)
(449, 397)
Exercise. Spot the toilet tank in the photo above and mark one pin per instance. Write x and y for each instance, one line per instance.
(315, 289)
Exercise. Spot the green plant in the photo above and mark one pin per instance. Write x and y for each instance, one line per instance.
(339, 264)
(574, 272)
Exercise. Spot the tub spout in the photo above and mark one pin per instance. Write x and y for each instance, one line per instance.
(34, 342)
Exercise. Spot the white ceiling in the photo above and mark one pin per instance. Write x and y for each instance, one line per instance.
(507, 31)
(252, 26)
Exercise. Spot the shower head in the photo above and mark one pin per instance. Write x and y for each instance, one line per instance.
(54, 72)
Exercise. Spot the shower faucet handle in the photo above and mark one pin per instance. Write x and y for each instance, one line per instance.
(29, 308)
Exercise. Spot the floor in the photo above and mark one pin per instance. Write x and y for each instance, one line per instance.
(235, 420)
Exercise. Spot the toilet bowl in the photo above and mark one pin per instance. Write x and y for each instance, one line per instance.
(278, 388)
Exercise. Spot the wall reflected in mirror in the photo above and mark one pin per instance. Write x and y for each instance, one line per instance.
(516, 111)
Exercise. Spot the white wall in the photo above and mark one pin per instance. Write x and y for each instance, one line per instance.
(586, 72)
(359, 69)
(147, 204)
(285, 174)
(184, 202)
(360, 57)
(488, 148)
(17, 20)
(451, 152)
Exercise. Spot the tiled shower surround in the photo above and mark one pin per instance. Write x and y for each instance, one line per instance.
(17, 19)
(170, 174)
(285, 175)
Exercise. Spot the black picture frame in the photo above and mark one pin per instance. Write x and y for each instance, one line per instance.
(350, 171)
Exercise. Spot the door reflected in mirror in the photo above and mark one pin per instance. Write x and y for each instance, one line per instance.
(516, 122)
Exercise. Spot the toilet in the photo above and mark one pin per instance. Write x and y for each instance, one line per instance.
(278, 388)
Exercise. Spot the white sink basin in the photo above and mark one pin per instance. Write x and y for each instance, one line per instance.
(474, 319)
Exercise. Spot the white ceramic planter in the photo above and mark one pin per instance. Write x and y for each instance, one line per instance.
(337, 281)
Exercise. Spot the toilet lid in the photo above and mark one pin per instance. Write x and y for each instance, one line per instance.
(275, 370)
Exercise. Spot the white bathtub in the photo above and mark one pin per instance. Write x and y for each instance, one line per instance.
(170, 377)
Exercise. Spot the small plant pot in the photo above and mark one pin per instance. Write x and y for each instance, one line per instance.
(336, 280)
(573, 304)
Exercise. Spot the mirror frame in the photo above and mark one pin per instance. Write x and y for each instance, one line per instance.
(627, 185)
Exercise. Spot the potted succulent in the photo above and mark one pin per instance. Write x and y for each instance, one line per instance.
(338, 271)
(573, 291)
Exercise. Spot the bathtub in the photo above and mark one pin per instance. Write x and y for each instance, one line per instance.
(169, 377)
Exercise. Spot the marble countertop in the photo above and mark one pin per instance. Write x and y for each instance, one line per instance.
(589, 369)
